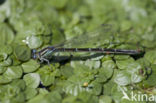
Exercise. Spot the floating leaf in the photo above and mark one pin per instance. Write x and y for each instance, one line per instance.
(105, 99)
(34, 42)
(125, 25)
(30, 66)
(67, 71)
(2, 69)
(47, 78)
(6, 49)
(74, 85)
(122, 78)
(13, 72)
(150, 82)
(6, 34)
(3, 56)
(151, 56)
(123, 64)
(52, 97)
(30, 93)
(108, 68)
(97, 88)
(4, 79)
(58, 4)
(6, 62)
(32, 80)
(93, 64)
(22, 52)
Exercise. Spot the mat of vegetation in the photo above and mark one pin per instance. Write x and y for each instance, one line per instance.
(35, 24)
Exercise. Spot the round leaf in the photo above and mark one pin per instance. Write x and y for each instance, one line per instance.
(34, 42)
(13, 72)
(7, 62)
(122, 78)
(32, 80)
(22, 52)
(30, 66)
(30, 93)
(6, 34)
(4, 79)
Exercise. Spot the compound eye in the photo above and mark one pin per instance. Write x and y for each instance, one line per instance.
(34, 56)
(33, 53)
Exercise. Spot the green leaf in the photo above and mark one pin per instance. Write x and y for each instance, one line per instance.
(22, 52)
(86, 97)
(123, 64)
(122, 78)
(106, 71)
(19, 83)
(4, 79)
(34, 42)
(135, 78)
(6, 62)
(3, 56)
(30, 66)
(32, 80)
(125, 25)
(58, 3)
(151, 56)
(6, 34)
(30, 93)
(47, 78)
(105, 99)
(97, 88)
(74, 85)
(150, 82)
(15, 62)
(6, 49)
(92, 64)
(36, 27)
(101, 77)
(2, 69)
(67, 71)
(107, 87)
(13, 72)
(52, 97)
(58, 36)
(48, 74)
(108, 68)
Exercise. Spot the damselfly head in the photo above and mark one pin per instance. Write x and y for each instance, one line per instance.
(34, 54)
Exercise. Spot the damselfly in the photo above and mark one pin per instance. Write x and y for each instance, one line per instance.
(84, 43)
